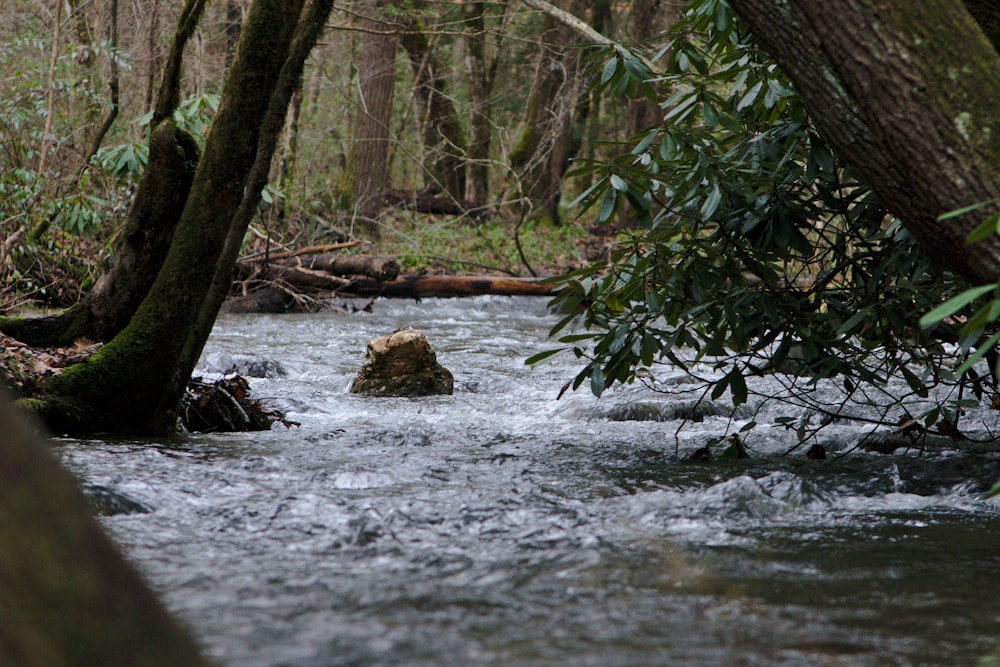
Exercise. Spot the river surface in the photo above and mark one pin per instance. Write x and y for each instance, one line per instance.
(500, 526)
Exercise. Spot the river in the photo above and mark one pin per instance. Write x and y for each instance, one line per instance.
(500, 526)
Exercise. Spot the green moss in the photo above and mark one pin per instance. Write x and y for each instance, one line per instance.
(525, 147)
(35, 405)
(437, 244)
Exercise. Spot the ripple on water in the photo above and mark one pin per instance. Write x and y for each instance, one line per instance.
(500, 526)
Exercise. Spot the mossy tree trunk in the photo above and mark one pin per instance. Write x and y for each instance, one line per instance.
(906, 93)
(135, 382)
(67, 597)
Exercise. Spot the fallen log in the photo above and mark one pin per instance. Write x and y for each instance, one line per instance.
(322, 287)
(321, 271)
(295, 276)
(417, 287)
(380, 268)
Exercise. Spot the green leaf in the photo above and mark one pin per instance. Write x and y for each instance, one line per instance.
(994, 490)
(735, 450)
(750, 96)
(730, 122)
(535, 358)
(914, 382)
(738, 386)
(711, 203)
(981, 351)
(965, 209)
(985, 229)
(597, 381)
(954, 304)
(710, 115)
(853, 321)
(608, 205)
(720, 387)
(586, 193)
(681, 110)
(610, 69)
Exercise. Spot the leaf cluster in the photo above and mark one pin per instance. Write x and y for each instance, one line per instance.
(754, 248)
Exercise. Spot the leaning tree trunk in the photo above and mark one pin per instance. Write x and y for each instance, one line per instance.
(364, 177)
(67, 596)
(134, 383)
(906, 93)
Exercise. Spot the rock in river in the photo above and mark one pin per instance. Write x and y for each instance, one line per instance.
(402, 364)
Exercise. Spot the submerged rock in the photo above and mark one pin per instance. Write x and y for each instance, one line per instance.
(402, 364)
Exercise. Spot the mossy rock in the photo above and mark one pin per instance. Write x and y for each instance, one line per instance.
(402, 364)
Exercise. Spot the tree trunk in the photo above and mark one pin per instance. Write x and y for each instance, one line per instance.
(987, 15)
(135, 382)
(906, 94)
(481, 75)
(68, 596)
(365, 175)
(648, 18)
(444, 140)
(546, 142)
(152, 53)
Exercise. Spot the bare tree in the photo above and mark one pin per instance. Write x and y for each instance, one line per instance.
(547, 140)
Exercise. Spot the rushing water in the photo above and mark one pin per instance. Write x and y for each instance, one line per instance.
(500, 526)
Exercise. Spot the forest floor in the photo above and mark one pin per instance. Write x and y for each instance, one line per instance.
(57, 270)
(451, 245)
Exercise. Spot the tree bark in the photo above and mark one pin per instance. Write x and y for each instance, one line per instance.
(546, 141)
(906, 94)
(365, 175)
(481, 75)
(68, 596)
(444, 139)
(135, 382)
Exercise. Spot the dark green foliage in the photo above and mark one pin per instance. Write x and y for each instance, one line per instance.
(756, 249)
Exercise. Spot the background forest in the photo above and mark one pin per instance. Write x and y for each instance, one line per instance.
(476, 106)
(468, 136)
